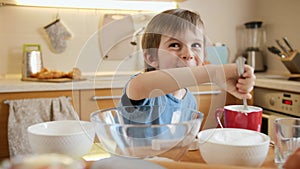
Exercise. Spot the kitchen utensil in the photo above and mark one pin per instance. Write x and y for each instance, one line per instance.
(282, 47)
(145, 137)
(32, 60)
(57, 33)
(241, 68)
(288, 44)
(230, 146)
(276, 51)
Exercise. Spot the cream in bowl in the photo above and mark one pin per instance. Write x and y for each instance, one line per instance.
(70, 137)
(231, 146)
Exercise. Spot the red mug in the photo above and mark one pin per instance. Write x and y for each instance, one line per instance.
(235, 117)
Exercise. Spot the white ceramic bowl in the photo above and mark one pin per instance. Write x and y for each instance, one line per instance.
(71, 137)
(230, 146)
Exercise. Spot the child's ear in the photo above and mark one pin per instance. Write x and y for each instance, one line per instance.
(150, 60)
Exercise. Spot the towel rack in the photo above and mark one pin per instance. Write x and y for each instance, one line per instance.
(7, 101)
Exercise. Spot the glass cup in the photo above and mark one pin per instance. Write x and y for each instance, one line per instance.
(287, 138)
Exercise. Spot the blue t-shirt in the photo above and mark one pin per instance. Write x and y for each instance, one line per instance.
(165, 106)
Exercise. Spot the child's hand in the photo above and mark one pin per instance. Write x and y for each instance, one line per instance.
(239, 87)
(245, 83)
(293, 162)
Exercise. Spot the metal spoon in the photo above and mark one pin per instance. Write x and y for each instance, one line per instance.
(240, 61)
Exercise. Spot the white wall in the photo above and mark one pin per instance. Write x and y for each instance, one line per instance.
(20, 25)
(23, 25)
(282, 19)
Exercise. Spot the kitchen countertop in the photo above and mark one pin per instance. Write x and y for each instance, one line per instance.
(277, 82)
(15, 84)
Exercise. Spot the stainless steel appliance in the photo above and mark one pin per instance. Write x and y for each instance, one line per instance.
(275, 104)
(255, 39)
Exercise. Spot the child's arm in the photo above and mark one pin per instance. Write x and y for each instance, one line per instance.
(161, 82)
(293, 161)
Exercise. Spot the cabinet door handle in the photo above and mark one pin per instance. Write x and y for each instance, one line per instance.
(118, 97)
(105, 97)
(207, 92)
(266, 116)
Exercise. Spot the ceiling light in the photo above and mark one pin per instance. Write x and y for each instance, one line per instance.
(97, 4)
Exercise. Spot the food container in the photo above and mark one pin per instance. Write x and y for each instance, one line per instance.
(32, 60)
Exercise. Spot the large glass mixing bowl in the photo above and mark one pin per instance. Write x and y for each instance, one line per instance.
(147, 131)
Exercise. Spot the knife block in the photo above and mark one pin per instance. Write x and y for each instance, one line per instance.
(292, 62)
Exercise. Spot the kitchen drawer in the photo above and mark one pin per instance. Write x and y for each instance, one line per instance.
(92, 100)
(231, 100)
(205, 96)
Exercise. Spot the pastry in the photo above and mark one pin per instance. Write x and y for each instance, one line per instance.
(75, 73)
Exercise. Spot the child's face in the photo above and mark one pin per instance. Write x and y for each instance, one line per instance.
(182, 50)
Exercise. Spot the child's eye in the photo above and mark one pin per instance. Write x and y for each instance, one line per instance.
(174, 45)
(196, 45)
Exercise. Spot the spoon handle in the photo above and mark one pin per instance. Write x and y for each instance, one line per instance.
(245, 104)
(240, 61)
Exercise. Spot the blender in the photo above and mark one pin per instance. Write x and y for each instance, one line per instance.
(255, 38)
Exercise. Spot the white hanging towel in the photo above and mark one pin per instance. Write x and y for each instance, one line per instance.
(26, 112)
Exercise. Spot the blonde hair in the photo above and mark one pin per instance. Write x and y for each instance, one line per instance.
(168, 22)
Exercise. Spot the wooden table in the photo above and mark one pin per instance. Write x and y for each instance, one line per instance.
(193, 160)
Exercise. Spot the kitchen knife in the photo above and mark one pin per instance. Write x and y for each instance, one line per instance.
(276, 51)
(288, 44)
(281, 47)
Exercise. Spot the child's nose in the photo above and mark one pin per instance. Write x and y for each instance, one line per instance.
(187, 54)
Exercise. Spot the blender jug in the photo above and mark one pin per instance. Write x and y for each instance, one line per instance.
(255, 39)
